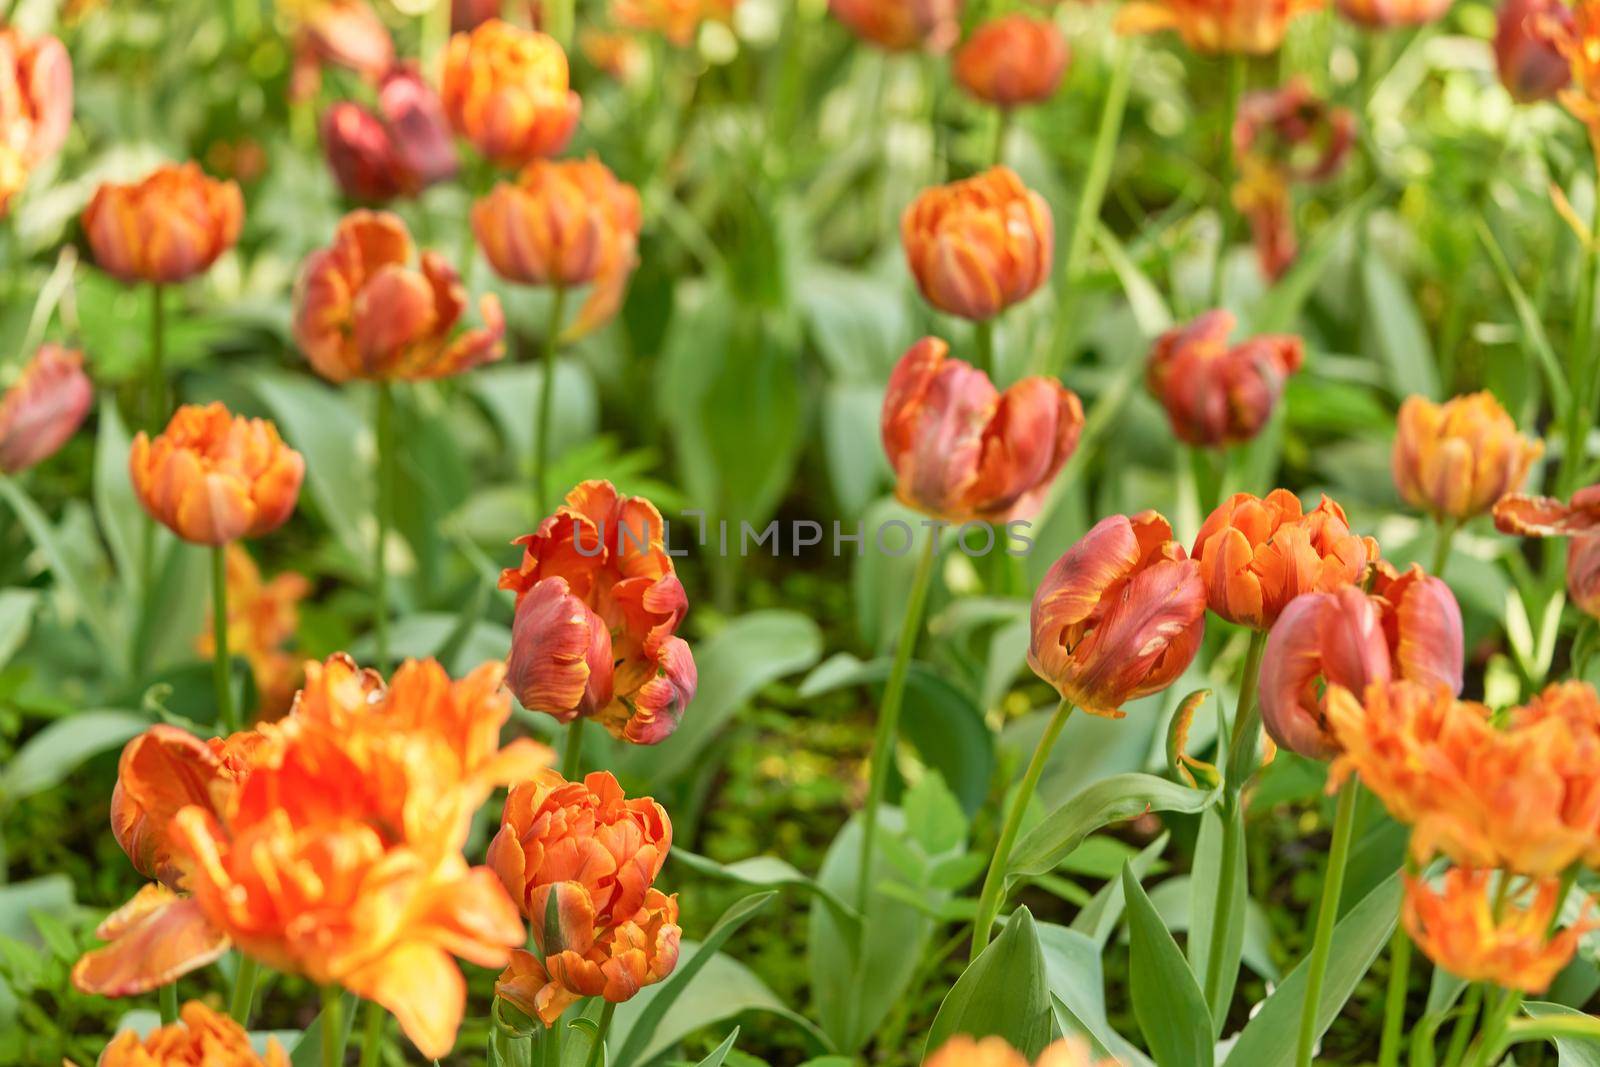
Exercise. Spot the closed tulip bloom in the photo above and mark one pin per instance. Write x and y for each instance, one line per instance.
(676, 20)
(470, 14)
(200, 1038)
(979, 245)
(964, 1051)
(505, 90)
(961, 449)
(400, 153)
(363, 310)
(596, 853)
(1232, 27)
(1579, 520)
(1468, 928)
(1012, 60)
(1454, 460)
(1257, 554)
(211, 477)
(43, 408)
(1215, 394)
(1530, 66)
(1382, 14)
(902, 25)
(1409, 627)
(35, 96)
(1119, 616)
(598, 607)
(346, 33)
(169, 227)
(263, 617)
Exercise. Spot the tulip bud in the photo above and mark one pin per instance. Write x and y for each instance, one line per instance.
(1580, 520)
(1215, 395)
(43, 408)
(505, 90)
(1119, 616)
(1383, 14)
(902, 25)
(416, 122)
(167, 228)
(1012, 60)
(211, 477)
(400, 154)
(961, 449)
(979, 245)
(1234, 27)
(1531, 67)
(1454, 460)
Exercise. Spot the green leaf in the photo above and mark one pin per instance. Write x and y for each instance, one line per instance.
(511, 391)
(1002, 992)
(1534, 340)
(64, 565)
(1098, 919)
(307, 1052)
(1114, 799)
(765, 871)
(720, 1053)
(1220, 832)
(1393, 326)
(643, 1028)
(1357, 940)
(1573, 1049)
(1167, 1000)
(1072, 966)
(16, 619)
(122, 519)
(1144, 296)
(1175, 899)
(51, 894)
(46, 758)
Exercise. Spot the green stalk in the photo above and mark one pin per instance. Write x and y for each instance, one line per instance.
(1492, 1042)
(889, 715)
(541, 435)
(1464, 1026)
(374, 1021)
(1441, 547)
(1237, 70)
(1002, 126)
(333, 1031)
(572, 755)
(1394, 1001)
(1579, 358)
(155, 415)
(167, 997)
(227, 717)
(597, 1050)
(1246, 738)
(1327, 914)
(380, 562)
(983, 345)
(244, 990)
(992, 897)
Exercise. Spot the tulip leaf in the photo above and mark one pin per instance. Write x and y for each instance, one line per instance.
(1113, 799)
(1098, 919)
(307, 1052)
(1393, 327)
(1073, 973)
(1573, 1048)
(1221, 840)
(16, 619)
(766, 871)
(720, 1053)
(122, 520)
(65, 564)
(46, 758)
(1002, 992)
(1167, 1001)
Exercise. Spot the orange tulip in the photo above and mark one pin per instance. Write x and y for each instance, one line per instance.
(902, 25)
(1237, 27)
(43, 408)
(1510, 943)
(35, 107)
(211, 477)
(565, 223)
(963, 450)
(596, 853)
(1216, 395)
(964, 1051)
(598, 607)
(1382, 14)
(262, 617)
(361, 310)
(1409, 627)
(979, 245)
(1258, 554)
(1119, 616)
(200, 1038)
(169, 227)
(1529, 516)
(621, 56)
(505, 90)
(1011, 60)
(345, 33)
(1530, 66)
(677, 20)
(1454, 460)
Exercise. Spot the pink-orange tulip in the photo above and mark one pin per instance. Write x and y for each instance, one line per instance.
(43, 408)
(35, 107)
(167, 228)
(902, 25)
(1528, 516)
(1454, 460)
(1012, 60)
(505, 90)
(977, 246)
(1236, 27)
(1215, 394)
(1531, 67)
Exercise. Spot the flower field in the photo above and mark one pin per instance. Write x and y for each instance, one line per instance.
(624, 533)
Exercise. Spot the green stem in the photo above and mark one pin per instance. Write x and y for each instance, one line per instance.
(168, 1001)
(1002, 126)
(227, 717)
(992, 897)
(983, 345)
(572, 755)
(1238, 68)
(1246, 738)
(547, 393)
(1464, 1027)
(1394, 1001)
(889, 715)
(244, 990)
(380, 562)
(1579, 358)
(1441, 547)
(155, 415)
(374, 1021)
(1492, 1042)
(333, 1031)
(1327, 914)
(597, 1050)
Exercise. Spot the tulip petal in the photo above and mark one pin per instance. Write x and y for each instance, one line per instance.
(422, 987)
(163, 942)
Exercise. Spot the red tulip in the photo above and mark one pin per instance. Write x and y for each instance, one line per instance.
(1530, 66)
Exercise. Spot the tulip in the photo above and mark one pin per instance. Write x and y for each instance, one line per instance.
(1454, 460)
(1258, 554)
(1409, 627)
(961, 449)
(35, 107)
(345, 33)
(1215, 395)
(598, 606)
(1012, 60)
(902, 25)
(977, 246)
(505, 90)
(470, 14)
(263, 616)
(964, 1051)
(1528, 516)
(363, 311)
(596, 853)
(1575, 33)
(1530, 66)
(1384, 14)
(676, 20)
(1480, 934)
(1234, 27)
(620, 56)
(43, 408)
(399, 154)
(201, 1037)
(169, 227)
